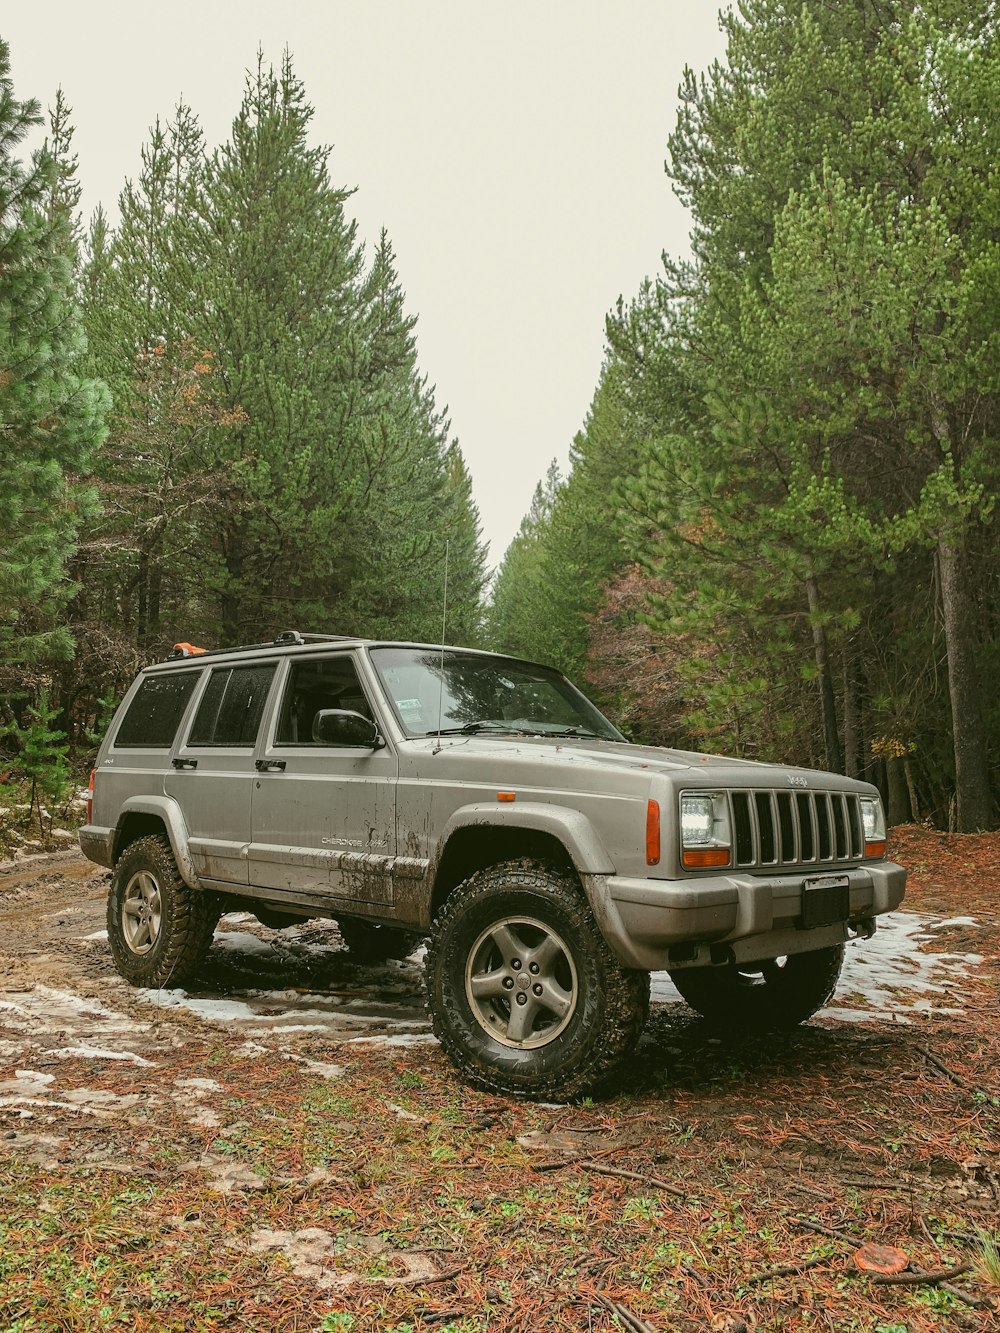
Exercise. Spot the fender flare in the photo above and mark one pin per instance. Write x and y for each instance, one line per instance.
(571, 828)
(164, 808)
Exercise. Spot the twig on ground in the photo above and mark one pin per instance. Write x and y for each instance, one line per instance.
(694, 1275)
(918, 1276)
(789, 1270)
(938, 1063)
(602, 1169)
(938, 1278)
(630, 1321)
(811, 1189)
(423, 1281)
(877, 1185)
(555, 1163)
(809, 1225)
(927, 1233)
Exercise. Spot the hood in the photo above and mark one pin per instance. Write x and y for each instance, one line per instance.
(579, 762)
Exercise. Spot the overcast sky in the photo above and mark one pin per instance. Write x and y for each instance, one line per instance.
(514, 152)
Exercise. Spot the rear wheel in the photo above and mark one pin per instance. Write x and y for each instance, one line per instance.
(775, 993)
(524, 994)
(159, 928)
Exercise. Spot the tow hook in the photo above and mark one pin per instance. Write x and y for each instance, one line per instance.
(864, 929)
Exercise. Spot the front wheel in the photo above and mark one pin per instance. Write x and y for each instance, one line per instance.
(758, 997)
(159, 929)
(524, 994)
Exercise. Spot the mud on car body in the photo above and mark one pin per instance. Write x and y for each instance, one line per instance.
(482, 801)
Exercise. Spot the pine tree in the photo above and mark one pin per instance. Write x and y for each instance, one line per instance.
(51, 415)
(521, 606)
(810, 174)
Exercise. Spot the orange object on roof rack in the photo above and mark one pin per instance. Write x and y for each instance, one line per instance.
(187, 650)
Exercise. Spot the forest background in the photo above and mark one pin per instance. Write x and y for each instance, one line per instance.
(777, 533)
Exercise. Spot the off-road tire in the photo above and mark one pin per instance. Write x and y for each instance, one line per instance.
(186, 917)
(542, 906)
(372, 942)
(761, 997)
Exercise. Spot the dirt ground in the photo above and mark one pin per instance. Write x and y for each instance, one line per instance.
(282, 1146)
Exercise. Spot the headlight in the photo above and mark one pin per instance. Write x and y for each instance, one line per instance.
(873, 821)
(705, 836)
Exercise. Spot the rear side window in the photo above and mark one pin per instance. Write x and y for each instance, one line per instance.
(157, 708)
(232, 706)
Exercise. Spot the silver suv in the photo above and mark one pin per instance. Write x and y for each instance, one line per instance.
(408, 790)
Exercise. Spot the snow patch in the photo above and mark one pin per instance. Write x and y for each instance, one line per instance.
(398, 1039)
(199, 1085)
(241, 941)
(218, 1011)
(892, 974)
(98, 1053)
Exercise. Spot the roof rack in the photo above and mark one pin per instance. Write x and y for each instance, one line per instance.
(288, 638)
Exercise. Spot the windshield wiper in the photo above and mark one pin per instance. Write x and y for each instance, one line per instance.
(577, 731)
(470, 729)
(501, 728)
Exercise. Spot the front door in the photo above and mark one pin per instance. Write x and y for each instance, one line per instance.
(323, 816)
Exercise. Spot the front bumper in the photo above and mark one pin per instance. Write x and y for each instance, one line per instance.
(654, 924)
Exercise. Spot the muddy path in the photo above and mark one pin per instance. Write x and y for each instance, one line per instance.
(290, 1110)
(300, 987)
(282, 988)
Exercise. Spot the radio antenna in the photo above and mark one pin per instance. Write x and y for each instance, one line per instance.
(444, 640)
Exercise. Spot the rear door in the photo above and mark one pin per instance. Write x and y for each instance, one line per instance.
(323, 815)
(211, 774)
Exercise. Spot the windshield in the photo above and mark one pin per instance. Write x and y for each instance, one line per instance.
(464, 693)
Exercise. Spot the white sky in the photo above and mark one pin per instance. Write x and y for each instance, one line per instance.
(513, 151)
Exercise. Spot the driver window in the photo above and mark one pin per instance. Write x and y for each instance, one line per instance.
(330, 682)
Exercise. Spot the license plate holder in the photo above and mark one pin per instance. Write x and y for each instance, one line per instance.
(826, 901)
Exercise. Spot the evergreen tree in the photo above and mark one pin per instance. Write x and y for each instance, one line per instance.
(51, 415)
(521, 606)
(276, 457)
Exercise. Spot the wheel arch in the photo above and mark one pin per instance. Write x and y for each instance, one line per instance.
(484, 835)
(145, 816)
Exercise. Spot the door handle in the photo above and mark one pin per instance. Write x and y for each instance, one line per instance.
(266, 765)
(184, 763)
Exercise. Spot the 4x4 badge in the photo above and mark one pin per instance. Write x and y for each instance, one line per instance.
(795, 780)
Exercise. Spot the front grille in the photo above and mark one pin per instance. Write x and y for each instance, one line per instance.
(779, 828)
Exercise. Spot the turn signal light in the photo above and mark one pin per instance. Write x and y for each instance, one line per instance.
(90, 797)
(700, 858)
(874, 849)
(652, 833)
(505, 795)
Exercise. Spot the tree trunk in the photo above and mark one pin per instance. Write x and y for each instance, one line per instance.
(230, 598)
(911, 787)
(153, 605)
(853, 685)
(834, 762)
(898, 804)
(141, 592)
(972, 789)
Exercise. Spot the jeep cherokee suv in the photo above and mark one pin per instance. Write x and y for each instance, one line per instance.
(408, 790)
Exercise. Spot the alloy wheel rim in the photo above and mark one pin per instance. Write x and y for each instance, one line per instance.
(141, 912)
(521, 982)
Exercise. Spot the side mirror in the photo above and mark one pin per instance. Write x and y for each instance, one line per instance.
(342, 726)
